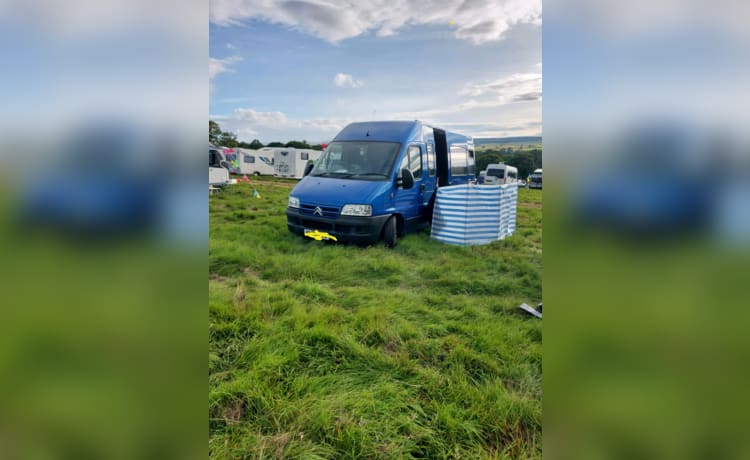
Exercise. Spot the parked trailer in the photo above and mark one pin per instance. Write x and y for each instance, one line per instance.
(291, 162)
(254, 162)
(377, 180)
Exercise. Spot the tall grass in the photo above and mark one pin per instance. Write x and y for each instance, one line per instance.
(321, 350)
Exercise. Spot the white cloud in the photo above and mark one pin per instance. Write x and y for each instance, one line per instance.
(217, 66)
(277, 126)
(255, 118)
(478, 21)
(344, 79)
(518, 87)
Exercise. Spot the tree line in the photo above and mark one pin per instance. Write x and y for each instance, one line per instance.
(525, 160)
(222, 138)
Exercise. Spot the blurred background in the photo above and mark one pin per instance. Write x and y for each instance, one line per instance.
(647, 229)
(103, 229)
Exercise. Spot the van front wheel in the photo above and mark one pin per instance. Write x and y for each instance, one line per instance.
(390, 232)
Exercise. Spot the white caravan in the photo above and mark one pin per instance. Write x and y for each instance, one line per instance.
(290, 162)
(255, 163)
(498, 173)
(218, 167)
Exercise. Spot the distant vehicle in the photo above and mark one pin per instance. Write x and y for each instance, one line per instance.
(252, 162)
(535, 179)
(377, 180)
(217, 158)
(218, 167)
(498, 173)
(288, 161)
(482, 177)
(218, 177)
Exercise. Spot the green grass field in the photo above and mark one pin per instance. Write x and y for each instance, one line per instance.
(320, 350)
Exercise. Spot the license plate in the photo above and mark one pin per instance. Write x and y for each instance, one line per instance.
(319, 236)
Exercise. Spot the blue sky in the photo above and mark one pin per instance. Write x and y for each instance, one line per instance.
(283, 70)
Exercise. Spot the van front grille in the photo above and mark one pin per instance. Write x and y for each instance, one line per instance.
(325, 211)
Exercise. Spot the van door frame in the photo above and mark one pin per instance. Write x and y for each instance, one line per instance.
(442, 163)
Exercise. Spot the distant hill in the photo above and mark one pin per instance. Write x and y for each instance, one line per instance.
(508, 140)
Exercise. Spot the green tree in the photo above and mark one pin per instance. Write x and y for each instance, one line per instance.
(214, 131)
(256, 144)
(227, 139)
(525, 160)
(485, 158)
(298, 144)
(276, 144)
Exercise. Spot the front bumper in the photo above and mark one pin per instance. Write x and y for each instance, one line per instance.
(535, 185)
(348, 229)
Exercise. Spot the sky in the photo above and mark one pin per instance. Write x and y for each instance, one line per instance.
(303, 69)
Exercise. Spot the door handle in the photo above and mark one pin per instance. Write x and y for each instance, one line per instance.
(421, 187)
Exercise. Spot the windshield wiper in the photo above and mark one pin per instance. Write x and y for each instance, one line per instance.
(334, 174)
(372, 174)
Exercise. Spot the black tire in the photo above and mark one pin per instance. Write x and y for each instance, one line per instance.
(256, 173)
(390, 232)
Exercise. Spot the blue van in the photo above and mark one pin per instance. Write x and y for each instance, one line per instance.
(377, 180)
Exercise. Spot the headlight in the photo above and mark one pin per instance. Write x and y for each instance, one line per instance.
(293, 202)
(356, 210)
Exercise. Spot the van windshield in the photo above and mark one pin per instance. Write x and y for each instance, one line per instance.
(496, 173)
(366, 160)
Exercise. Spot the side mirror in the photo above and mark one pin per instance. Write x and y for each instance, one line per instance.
(406, 181)
(308, 168)
(224, 164)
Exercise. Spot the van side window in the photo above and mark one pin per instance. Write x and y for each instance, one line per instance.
(415, 161)
(304, 156)
(430, 159)
(458, 159)
(249, 159)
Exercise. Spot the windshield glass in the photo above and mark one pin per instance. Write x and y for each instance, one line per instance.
(496, 173)
(369, 160)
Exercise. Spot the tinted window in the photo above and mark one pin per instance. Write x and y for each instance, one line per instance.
(249, 159)
(304, 156)
(415, 161)
(496, 173)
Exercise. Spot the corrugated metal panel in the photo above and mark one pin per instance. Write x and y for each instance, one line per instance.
(474, 214)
